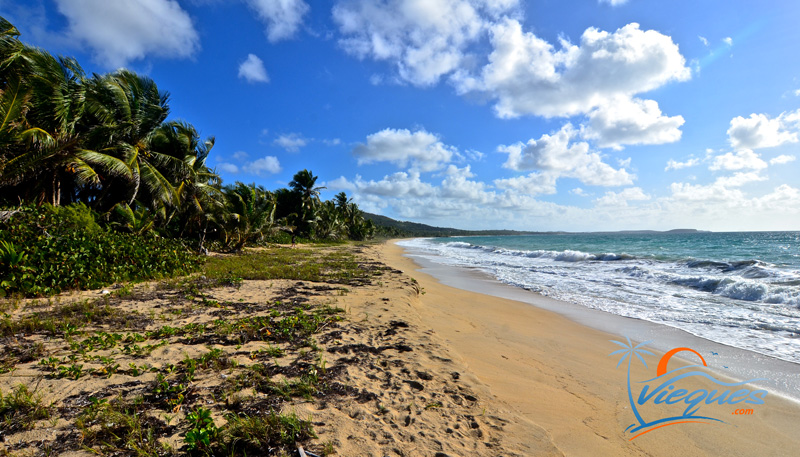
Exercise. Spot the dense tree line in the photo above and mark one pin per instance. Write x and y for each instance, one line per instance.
(104, 141)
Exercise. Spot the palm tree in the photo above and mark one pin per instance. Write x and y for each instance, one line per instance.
(251, 212)
(358, 228)
(125, 111)
(329, 222)
(304, 182)
(304, 185)
(14, 95)
(45, 97)
(342, 201)
(139, 221)
(197, 187)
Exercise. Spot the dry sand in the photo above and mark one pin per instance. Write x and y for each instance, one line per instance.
(417, 369)
(565, 392)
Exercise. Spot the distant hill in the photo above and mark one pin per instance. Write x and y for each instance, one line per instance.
(387, 227)
(391, 228)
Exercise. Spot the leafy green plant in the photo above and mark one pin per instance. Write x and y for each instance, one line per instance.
(14, 274)
(137, 370)
(203, 431)
(121, 427)
(66, 255)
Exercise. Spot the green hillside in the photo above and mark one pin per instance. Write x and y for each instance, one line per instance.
(389, 228)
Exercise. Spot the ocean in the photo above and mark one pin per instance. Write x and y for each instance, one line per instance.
(738, 289)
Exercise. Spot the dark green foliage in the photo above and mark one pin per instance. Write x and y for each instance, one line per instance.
(203, 431)
(244, 435)
(64, 248)
(115, 182)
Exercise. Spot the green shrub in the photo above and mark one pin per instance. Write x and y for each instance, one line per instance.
(64, 248)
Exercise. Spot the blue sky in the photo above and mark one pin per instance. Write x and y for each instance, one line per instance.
(531, 115)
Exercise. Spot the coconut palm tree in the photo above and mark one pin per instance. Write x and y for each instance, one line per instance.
(48, 159)
(342, 201)
(14, 95)
(125, 111)
(197, 187)
(251, 211)
(329, 222)
(358, 228)
(304, 185)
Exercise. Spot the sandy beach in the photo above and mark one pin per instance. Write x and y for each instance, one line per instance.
(566, 392)
(410, 368)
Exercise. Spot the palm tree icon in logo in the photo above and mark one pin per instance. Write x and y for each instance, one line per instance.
(627, 353)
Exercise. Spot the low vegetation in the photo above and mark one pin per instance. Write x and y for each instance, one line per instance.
(244, 364)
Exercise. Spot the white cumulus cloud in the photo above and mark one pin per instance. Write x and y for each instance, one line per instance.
(264, 165)
(423, 39)
(228, 167)
(119, 32)
(282, 17)
(557, 154)
(739, 179)
(268, 164)
(674, 165)
(528, 75)
(744, 159)
(531, 184)
(253, 70)
(760, 131)
(782, 159)
(420, 149)
(623, 197)
(397, 185)
(632, 121)
(292, 142)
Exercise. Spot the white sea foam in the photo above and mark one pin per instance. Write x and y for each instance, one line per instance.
(750, 304)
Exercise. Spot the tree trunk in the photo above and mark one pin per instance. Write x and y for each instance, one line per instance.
(138, 180)
(56, 190)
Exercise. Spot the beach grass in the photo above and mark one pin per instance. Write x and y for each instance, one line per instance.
(141, 405)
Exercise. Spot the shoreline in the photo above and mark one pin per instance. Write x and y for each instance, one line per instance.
(397, 364)
(728, 360)
(556, 373)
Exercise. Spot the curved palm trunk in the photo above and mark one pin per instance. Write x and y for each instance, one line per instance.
(138, 181)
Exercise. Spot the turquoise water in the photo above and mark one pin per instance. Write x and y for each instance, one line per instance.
(740, 289)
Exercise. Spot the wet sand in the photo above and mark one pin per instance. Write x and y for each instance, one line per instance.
(557, 376)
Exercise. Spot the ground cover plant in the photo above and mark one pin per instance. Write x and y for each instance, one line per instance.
(47, 249)
(242, 364)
